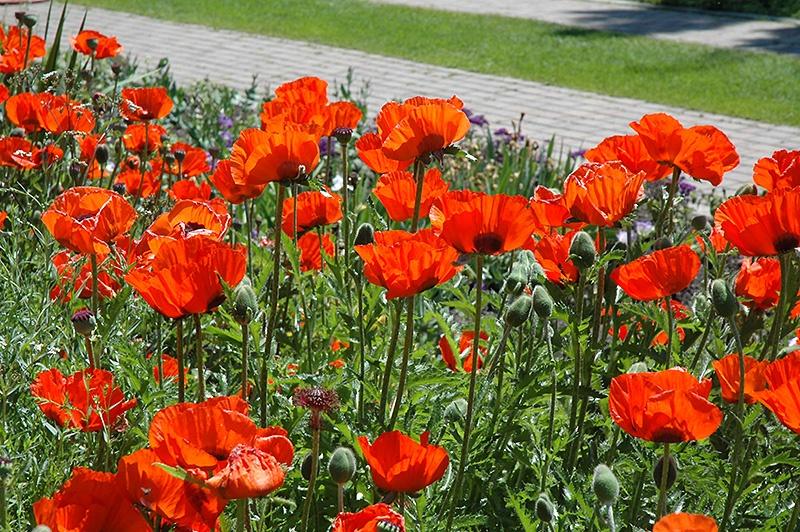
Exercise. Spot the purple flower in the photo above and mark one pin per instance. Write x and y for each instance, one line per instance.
(326, 148)
(643, 226)
(577, 153)
(475, 120)
(685, 187)
(227, 138)
(225, 122)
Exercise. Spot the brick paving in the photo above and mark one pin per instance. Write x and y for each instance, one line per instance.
(580, 119)
(702, 27)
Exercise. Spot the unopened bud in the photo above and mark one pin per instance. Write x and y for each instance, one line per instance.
(342, 466)
(582, 250)
(456, 411)
(29, 21)
(245, 305)
(542, 302)
(101, 154)
(700, 222)
(545, 510)
(672, 473)
(364, 235)
(305, 468)
(517, 279)
(605, 485)
(83, 321)
(519, 311)
(725, 302)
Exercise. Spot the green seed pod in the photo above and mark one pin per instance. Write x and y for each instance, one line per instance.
(542, 302)
(672, 474)
(662, 243)
(456, 411)
(342, 466)
(700, 222)
(364, 235)
(605, 485)
(545, 510)
(92, 44)
(517, 279)
(83, 321)
(245, 304)
(725, 302)
(582, 251)
(519, 311)
(638, 367)
(748, 189)
(29, 21)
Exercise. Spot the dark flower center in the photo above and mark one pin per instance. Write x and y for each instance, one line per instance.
(668, 435)
(488, 243)
(786, 243)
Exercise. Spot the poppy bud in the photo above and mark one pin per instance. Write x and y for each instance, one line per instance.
(101, 154)
(542, 302)
(169, 157)
(638, 367)
(119, 188)
(364, 235)
(19, 15)
(748, 189)
(17, 132)
(672, 474)
(116, 68)
(342, 466)
(605, 485)
(582, 250)
(305, 468)
(725, 302)
(29, 21)
(456, 411)
(662, 243)
(244, 305)
(180, 155)
(519, 311)
(517, 279)
(75, 169)
(700, 222)
(343, 134)
(83, 321)
(92, 44)
(545, 510)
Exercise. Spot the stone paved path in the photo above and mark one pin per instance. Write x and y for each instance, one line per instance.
(580, 119)
(727, 31)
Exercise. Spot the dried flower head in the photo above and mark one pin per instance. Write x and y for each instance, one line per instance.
(316, 398)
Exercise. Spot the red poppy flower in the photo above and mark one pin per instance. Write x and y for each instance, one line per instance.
(87, 400)
(16, 152)
(782, 395)
(407, 264)
(552, 254)
(780, 171)
(631, 152)
(3, 218)
(248, 473)
(88, 144)
(187, 218)
(4, 93)
(761, 225)
(60, 114)
(392, 113)
(602, 193)
(340, 115)
(315, 208)
(307, 91)
(279, 115)
(170, 365)
(370, 519)
(311, 251)
(230, 190)
(90, 42)
(185, 275)
(474, 222)
(145, 103)
(397, 192)
(667, 406)
(137, 135)
(88, 219)
(400, 464)
(190, 189)
(660, 274)
(465, 351)
(426, 129)
(278, 157)
(548, 209)
(685, 523)
(74, 276)
(195, 161)
(717, 239)
(16, 48)
(370, 151)
(338, 345)
(703, 152)
(759, 282)
(143, 185)
(729, 373)
(90, 501)
(25, 110)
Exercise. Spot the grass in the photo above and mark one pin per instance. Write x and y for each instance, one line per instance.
(759, 86)
(777, 8)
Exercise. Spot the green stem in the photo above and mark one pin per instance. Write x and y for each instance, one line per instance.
(89, 351)
(662, 489)
(670, 327)
(95, 292)
(361, 348)
(198, 349)
(576, 347)
(243, 518)
(159, 352)
(407, 343)
(704, 339)
(552, 415)
(249, 209)
(245, 356)
(780, 312)
(793, 520)
(600, 291)
(666, 213)
(312, 477)
(179, 356)
(345, 209)
(387, 370)
(340, 497)
(3, 518)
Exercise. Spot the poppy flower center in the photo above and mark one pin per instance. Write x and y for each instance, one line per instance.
(488, 243)
(287, 171)
(192, 226)
(786, 243)
(667, 435)
(430, 144)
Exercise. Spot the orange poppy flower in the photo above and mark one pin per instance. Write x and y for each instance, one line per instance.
(188, 218)
(370, 151)
(90, 501)
(136, 183)
(230, 190)
(170, 365)
(16, 152)
(717, 239)
(761, 225)
(281, 157)
(548, 209)
(4, 93)
(3, 218)
(311, 251)
(703, 152)
(668, 406)
(88, 219)
(145, 103)
(315, 208)
(195, 161)
(190, 189)
(465, 351)
(74, 276)
(278, 116)
(407, 264)
(338, 345)
(631, 152)
(681, 522)
(474, 222)
(399, 464)
(60, 114)
(660, 274)
(137, 135)
(185, 275)
(397, 193)
(392, 113)
(552, 254)
(101, 47)
(15, 49)
(781, 170)
(88, 144)
(426, 129)
(340, 115)
(87, 400)
(602, 194)
(337, 364)
(248, 472)
(369, 520)
(25, 110)
(307, 91)
(782, 395)
(728, 373)
(759, 282)
(679, 312)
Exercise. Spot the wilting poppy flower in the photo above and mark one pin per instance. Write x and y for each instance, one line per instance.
(666, 407)
(145, 103)
(370, 519)
(685, 523)
(282, 157)
(602, 194)
(370, 151)
(548, 209)
(185, 275)
(780, 171)
(141, 184)
(315, 208)
(87, 400)
(782, 395)
(759, 282)
(729, 375)
(16, 49)
(397, 193)
(340, 115)
(94, 43)
(465, 351)
(230, 190)
(426, 129)
(187, 218)
(248, 472)
(407, 264)
(552, 254)
(88, 219)
(761, 225)
(474, 222)
(90, 501)
(311, 250)
(660, 274)
(170, 365)
(703, 152)
(139, 135)
(631, 152)
(74, 275)
(400, 464)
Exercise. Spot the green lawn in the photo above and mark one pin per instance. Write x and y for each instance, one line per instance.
(753, 85)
